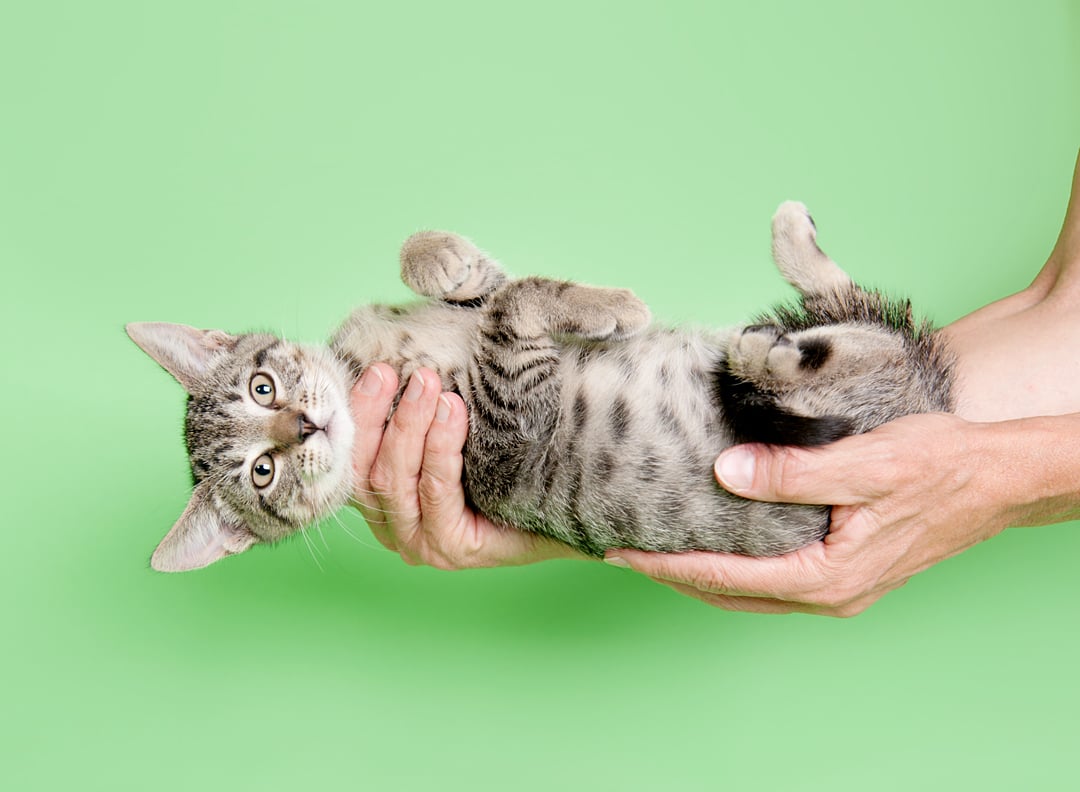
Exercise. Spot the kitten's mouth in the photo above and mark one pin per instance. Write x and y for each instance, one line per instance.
(307, 428)
(334, 427)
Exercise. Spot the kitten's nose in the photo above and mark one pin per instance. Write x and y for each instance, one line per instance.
(307, 428)
(291, 427)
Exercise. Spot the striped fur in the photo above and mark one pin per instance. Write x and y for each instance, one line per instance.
(587, 423)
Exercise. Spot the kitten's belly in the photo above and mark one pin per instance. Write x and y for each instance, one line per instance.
(663, 380)
(630, 463)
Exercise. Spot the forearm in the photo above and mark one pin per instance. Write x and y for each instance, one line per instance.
(1031, 468)
(1015, 359)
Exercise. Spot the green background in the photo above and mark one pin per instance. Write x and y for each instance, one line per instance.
(256, 165)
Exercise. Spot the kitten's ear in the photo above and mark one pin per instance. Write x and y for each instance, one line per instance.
(200, 537)
(185, 352)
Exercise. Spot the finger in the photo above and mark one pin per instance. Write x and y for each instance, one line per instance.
(775, 606)
(442, 497)
(402, 450)
(454, 536)
(396, 470)
(370, 402)
(833, 475)
(789, 577)
(740, 604)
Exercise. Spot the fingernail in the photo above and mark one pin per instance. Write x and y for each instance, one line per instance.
(371, 382)
(442, 409)
(416, 387)
(617, 561)
(735, 469)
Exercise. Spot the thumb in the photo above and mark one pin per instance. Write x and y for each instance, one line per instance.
(826, 476)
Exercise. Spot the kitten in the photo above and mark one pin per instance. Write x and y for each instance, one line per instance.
(586, 423)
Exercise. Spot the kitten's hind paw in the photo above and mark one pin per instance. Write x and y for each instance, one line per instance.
(446, 266)
(793, 225)
(797, 255)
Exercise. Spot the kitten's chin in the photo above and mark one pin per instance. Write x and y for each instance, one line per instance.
(340, 431)
(332, 490)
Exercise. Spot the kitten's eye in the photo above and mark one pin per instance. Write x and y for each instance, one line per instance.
(262, 390)
(262, 472)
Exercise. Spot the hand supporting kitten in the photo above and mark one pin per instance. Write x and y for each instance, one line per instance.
(408, 479)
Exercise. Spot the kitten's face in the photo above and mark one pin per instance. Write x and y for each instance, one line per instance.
(269, 437)
(270, 432)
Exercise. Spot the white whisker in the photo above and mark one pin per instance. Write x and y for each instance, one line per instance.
(351, 535)
(311, 549)
(318, 527)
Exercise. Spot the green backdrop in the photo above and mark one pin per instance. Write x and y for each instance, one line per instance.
(256, 165)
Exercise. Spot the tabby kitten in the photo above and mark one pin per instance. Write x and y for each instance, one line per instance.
(587, 424)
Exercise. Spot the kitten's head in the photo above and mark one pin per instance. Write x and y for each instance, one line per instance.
(269, 437)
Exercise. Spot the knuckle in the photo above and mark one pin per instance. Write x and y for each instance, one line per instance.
(890, 460)
(434, 556)
(403, 421)
(833, 599)
(707, 578)
(387, 540)
(444, 564)
(839, 597)
(432, 490)
(849, 610)
(380, 478)
(828, 587)
(410, 417)
(785, 470)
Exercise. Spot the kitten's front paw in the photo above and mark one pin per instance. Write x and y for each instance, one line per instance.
(437, 263)
(601, 314)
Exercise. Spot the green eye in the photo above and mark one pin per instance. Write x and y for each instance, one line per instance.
(262, 472)
(262, 390)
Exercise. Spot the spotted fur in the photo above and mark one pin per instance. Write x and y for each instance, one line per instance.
(588, 424)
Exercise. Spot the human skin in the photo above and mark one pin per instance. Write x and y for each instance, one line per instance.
(905, 496)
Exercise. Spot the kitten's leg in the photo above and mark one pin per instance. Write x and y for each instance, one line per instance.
(812, 386)
(767, 356)
(779, 361)
(796, 253)
(516, 384)
(537, 306)
(517, 360)
(821, 372)
(448, 267)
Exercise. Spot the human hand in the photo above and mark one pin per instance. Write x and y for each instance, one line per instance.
(905, 496)
(407, 478)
